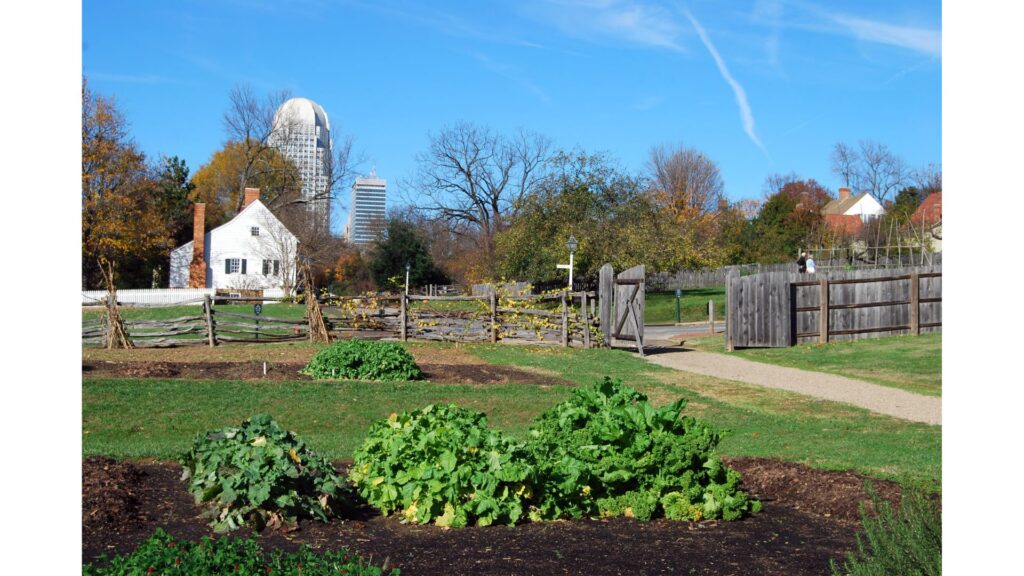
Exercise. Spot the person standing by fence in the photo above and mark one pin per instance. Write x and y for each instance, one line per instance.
(802, 262)
(809, 265)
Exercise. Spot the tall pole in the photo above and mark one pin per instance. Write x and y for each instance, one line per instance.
(570, 271)
(407, 266)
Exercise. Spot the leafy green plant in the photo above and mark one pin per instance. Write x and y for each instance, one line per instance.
(258, 474)
(358, 359)
(906, 541)
(161, 554)
(442, 464)
(607, 451)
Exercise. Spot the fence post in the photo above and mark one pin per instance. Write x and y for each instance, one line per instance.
(208, 311)
(823, 313)
(711, 316)
(586, 320)
(915, 304)
(565, 321)
(494, 315)
(730, 306)
(402, 312)
(606, 295)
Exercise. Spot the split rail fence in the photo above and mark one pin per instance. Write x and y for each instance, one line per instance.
(567, 318)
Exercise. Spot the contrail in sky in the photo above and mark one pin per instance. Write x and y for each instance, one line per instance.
(741, 95)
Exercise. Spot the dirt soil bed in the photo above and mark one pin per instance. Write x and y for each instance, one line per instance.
(809, 517)
(441, 365)
(464, 373)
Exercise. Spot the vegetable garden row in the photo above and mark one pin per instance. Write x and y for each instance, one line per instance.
(604, 452)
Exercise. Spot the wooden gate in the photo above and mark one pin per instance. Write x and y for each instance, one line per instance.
(629, 306)
(759, 311)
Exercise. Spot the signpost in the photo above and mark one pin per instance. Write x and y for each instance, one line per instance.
(679, 294)
(257, 309)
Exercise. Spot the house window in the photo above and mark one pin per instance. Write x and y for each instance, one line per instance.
(234, 265)
(255, 230)
(271, 267)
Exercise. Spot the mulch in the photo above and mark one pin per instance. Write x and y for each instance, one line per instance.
(810, 516)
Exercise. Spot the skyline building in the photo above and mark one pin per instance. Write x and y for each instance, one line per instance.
(302, 132)
(369, 204)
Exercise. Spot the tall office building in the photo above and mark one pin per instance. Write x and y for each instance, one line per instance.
(302, 132)
(366, 218)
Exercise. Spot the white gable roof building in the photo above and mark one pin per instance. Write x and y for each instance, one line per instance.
(252, 251)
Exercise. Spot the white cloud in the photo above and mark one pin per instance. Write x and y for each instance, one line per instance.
(917, 39)
(633, 22)
(741, 96)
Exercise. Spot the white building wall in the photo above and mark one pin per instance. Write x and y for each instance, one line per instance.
(866, 207)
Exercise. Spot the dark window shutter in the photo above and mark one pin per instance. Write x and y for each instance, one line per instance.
(243, 265)
(227, 265)
(277, 267)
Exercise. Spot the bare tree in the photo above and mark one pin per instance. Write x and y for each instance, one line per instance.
(928, 179)
(280, 249)
(871, 168)
(472, 178)
(260, 124)
(845, 162)
(685, 181)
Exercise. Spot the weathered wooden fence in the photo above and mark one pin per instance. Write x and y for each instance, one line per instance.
(565, 318)
(778, 309)
(715, 277)
(209, 326)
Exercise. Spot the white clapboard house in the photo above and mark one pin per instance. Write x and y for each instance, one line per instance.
(252, 251)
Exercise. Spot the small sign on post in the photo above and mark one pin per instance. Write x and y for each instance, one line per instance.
(257, 309)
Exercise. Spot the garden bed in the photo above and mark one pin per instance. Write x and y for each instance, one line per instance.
(440, 365)
(809, 517)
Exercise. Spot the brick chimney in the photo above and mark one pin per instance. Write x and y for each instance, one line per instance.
(250, 195)
(844, 193)
(197, 269)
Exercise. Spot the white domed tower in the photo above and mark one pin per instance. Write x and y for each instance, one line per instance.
(302, 132)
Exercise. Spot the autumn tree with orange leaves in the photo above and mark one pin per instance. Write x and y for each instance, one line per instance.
(120, 215)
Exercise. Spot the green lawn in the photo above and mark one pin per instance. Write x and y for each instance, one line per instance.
(660, 307)
(158, 419)
(912, 363)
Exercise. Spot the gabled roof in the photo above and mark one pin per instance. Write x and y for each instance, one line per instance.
(249, 207)
(930, 211)
(841, 206)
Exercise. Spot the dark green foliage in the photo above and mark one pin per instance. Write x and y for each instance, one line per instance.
(401, 244)
(161, 554)
(607, 451)
(907, 541)
(442, 464)
(259, 474)
(357, 359)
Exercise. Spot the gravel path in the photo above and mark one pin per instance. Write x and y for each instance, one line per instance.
(881, 399)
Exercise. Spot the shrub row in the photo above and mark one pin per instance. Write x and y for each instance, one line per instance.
(603, 452)
(606, 451)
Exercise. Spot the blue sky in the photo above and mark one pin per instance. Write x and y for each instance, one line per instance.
(761, 87)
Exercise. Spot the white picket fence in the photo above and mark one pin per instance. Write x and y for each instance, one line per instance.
(162, 296)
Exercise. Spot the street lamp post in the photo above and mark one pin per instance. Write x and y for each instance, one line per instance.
(407, 267)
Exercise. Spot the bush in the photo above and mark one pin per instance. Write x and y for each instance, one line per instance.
(161, 554)
(258, 474)
(442, 464)
(907, 541)
(358, 359)
(606, 451)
